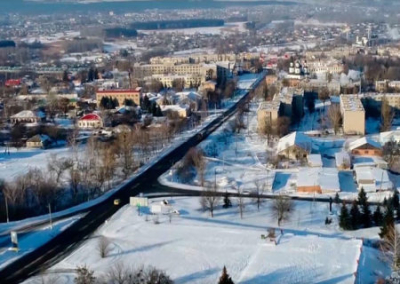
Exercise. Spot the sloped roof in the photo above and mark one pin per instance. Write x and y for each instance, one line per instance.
(326, 178)
(295, 138)
(28, 114)
(91, 116)
(363, 141)
(39, 138)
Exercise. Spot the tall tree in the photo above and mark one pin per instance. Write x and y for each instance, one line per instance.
(388, 222)
(335, 117)
(344, 218)
(365, 210)
(354, 216)
(386, 115)
(225, 278)
(282, 208)
(378, 216)
(84, 276)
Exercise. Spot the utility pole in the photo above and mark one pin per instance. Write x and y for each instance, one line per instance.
(51, 220)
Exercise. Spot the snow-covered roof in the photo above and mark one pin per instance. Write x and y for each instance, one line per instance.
(314, 160)
(387, 136)
(39, 138)
(378, 177)
(28, 114)
(342, 158)
(374, 161)
(295, 138)
(326, 178)
(363, 141)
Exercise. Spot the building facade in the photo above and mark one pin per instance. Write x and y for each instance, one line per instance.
(353, 114)
(120, 95)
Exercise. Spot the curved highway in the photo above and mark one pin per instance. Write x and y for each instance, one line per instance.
(68, 240)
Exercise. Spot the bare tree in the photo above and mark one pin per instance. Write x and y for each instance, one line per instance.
(390, 247)
(58, 166)
(387, 115)
(335, 117)
(200, 164)
(119, 274)
(323, 95)
(209, 199)
(241, 203)
(103, 246)
(282, 208)
(258, 192)
(125, 144)
(84, 276)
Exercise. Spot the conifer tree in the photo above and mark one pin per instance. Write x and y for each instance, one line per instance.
(365, 210)
(227, 201)
(225, 278)
(354, 216)
(337, 199)
(378, 216)
(344, 218)
(388, 222)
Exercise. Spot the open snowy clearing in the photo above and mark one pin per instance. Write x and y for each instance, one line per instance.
(193, 248)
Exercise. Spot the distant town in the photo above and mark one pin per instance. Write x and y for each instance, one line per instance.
(219, 143)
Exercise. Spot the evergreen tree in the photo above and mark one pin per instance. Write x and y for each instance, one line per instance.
(65, 77)
(354, 216)
(104, 102)
(227, 201)
(395, 202)
(115, 103)
(84, 276)
(344, 218)
(362, 197)
(388, 222)
(365, 210)
(337, 199)
(90, 77)
(378, 216)
(385, 202)
(225, 278)
(158, 111)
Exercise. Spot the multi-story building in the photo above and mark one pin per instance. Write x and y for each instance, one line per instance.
(146, 70)
(393, 99)
(167, 80)
(268, 113)
(353, 114)
(119, 94)
(292, 102)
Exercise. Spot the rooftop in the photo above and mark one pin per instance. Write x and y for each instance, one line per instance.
(268, 106)
(351, 103)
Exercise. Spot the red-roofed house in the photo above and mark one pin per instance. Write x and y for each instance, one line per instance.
(13, 83)
(91, 120)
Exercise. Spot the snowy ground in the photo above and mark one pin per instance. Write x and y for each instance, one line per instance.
(238, 160)
(193, 248)
(31, 240)
(227, 28)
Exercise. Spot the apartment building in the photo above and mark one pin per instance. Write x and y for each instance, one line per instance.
(353, 114)
(202, 58)
(393, 99)
(146, 70)
(267, 113)
(168, 79)
(119, 94)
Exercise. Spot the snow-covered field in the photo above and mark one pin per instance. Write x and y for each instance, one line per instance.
(239, 160)
(193, 248)
(228, 28)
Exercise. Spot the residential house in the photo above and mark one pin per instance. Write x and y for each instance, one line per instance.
(372, 179)
(365, 147)
(295, 146)
(28, 116)
(90, 121)
(318, 180)
(39, 141)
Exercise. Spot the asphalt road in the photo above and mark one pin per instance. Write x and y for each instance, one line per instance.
(71, 238)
